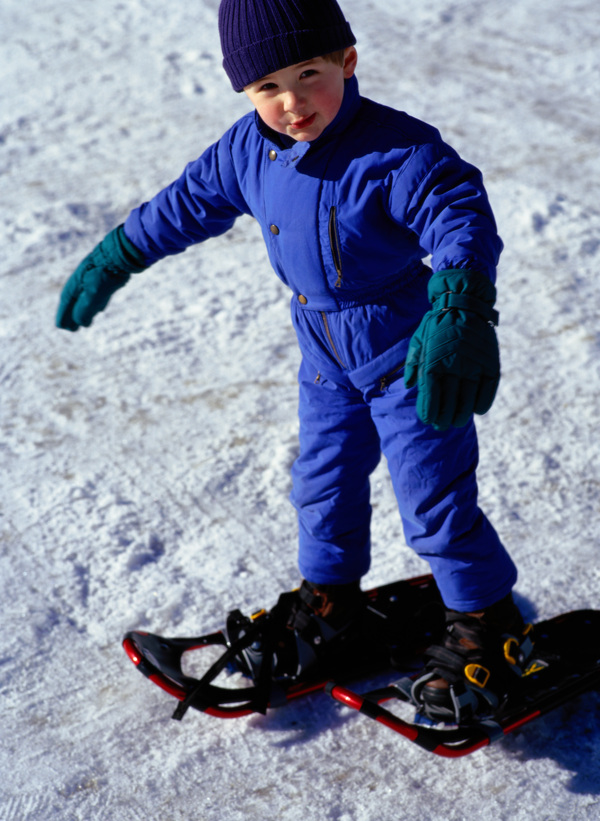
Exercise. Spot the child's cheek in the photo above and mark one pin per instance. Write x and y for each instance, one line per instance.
(276, 115)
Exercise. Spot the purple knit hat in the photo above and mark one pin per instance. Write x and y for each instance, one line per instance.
(262, 36)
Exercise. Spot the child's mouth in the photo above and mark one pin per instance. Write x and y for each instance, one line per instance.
(305, 123)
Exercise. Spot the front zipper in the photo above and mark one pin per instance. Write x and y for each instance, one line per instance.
(334, 244)
(390, 377)
(330, 338)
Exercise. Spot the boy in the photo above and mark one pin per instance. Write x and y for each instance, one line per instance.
(396, 357)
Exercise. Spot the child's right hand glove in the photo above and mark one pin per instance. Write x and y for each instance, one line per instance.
(453, 355)
(97, 277)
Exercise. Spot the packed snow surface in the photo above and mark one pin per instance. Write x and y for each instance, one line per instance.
(145, 461)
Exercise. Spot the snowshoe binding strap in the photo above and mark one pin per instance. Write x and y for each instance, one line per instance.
(206, 696)
(159, 659)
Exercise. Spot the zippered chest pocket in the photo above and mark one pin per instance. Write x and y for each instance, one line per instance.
(334, 244)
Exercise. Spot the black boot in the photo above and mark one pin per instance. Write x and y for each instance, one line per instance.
(335, 604)
(315, 626)
(474, 668)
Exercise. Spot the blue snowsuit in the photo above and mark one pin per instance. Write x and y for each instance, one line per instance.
(348, 220)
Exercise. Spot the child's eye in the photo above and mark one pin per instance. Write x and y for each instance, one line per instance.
(309, 72)
(267, 87)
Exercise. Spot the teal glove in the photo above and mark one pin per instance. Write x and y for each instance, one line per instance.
(453, 355)
(104, 271)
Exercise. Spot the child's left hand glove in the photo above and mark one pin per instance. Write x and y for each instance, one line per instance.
(453, 355)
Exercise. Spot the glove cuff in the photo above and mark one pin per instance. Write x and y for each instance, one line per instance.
(120, 255)
(464, 290)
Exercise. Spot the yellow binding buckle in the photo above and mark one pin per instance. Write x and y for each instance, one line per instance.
(477, 674)
(258, 614)
(536, 666)
(512, 646)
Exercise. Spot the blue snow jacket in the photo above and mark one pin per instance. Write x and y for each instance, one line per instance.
(347, 220)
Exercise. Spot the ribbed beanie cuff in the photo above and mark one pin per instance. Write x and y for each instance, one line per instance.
(262, 36)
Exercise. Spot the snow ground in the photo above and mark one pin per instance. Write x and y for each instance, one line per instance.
(145, 461)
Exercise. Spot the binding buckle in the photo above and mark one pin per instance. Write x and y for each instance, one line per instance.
(517, 652)
(477, 674)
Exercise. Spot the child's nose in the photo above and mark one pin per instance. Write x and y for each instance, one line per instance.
(293, 101)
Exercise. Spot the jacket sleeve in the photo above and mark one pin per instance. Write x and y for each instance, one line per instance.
(442, 199)
(204, 202)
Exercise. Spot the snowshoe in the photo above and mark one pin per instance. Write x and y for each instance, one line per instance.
(564, 664)
(297, 646)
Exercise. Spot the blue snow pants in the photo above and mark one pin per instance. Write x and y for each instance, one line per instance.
(344, 429)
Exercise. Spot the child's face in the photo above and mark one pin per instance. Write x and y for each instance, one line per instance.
(303, 99)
